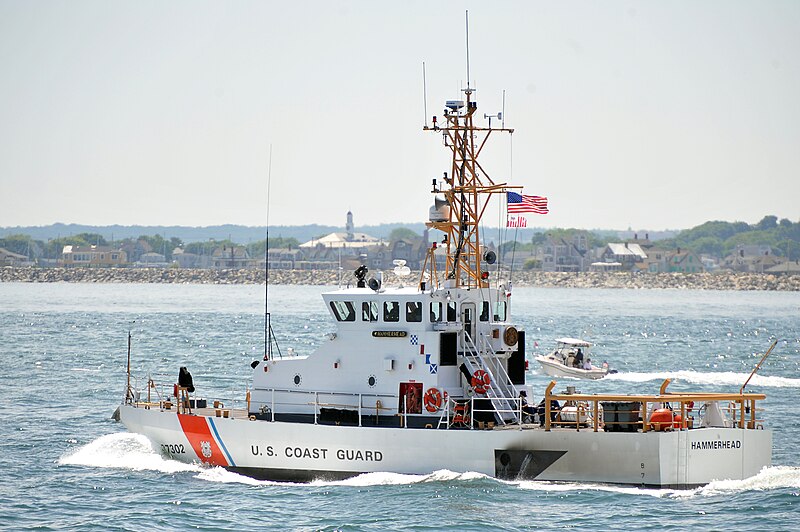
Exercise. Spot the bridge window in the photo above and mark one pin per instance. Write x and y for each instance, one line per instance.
(391, 311)
(451, 311)
(343, 310)
(485, 311)
(413, 311)
(500, 311)
(436, 311)
(369, 311)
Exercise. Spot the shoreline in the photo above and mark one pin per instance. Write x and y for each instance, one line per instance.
(727, 280)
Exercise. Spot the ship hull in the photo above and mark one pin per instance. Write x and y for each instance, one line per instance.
(304, 451)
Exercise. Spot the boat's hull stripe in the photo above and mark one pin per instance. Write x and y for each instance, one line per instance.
(219, 440)
(197, 431)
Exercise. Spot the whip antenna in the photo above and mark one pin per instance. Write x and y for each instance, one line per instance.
(267, 324)
(467, 23)
(424, 97)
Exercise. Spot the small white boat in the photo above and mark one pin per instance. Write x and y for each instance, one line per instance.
(571, 358)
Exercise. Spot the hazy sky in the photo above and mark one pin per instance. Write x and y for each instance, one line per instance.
(652, 115)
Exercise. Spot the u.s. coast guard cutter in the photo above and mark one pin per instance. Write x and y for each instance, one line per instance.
(428, 377)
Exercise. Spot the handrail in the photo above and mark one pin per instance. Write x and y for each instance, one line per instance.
(501, 382)
(684, 398)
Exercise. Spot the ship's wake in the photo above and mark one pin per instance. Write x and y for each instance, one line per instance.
(717, 378)
(124, 451)
(770, 478)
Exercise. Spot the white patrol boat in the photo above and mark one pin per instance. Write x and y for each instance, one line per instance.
(572, 358)
(428, 377)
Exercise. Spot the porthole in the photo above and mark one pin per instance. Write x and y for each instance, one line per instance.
(511, 336)
(297, 380)
(372, 381)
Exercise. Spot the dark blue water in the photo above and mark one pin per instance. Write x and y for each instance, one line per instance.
(64, 464)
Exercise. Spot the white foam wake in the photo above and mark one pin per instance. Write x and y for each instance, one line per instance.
(696, 377)
(125, 451)
(588, 486)
(396, 479)
(770, 478)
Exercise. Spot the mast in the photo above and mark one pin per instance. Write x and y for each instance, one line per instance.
(467, 190)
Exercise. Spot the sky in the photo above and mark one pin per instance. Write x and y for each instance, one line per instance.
(642, 115)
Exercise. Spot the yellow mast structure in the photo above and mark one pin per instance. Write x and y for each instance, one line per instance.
(467, 190)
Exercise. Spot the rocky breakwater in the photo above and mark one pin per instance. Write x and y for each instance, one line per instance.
(726, 280)
(695, 281)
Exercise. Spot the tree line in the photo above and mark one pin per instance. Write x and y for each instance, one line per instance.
(715, 238)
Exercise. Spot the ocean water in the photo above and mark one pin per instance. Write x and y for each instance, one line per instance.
(64, 464)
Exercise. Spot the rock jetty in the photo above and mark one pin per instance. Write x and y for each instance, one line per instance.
(696, 281)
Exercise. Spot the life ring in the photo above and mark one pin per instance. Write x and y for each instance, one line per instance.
(433, 400)
(480, 381)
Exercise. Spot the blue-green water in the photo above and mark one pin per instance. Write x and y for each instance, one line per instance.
(64, 464)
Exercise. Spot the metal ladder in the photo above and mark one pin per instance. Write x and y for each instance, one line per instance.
(505, 408)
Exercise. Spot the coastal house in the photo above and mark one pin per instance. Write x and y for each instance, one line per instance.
(790, 267)
(348, 239)
(285, 258)
(348, 249)
(751, 259)
(232, 258)
(684, 261)
(626, 254)
(92, 256)
(517, 259)
(189, 260)
(151, 260)
(135, 249)
(9, 258)
(560, 255)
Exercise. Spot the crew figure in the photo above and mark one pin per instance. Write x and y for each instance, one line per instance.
(578, 361)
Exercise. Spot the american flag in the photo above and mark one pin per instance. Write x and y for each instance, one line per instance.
(516, 221)
(518, 203)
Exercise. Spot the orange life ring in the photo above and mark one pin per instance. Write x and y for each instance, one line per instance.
(433, 400)
(481, 381)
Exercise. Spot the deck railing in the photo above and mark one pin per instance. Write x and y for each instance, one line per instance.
(741, 407)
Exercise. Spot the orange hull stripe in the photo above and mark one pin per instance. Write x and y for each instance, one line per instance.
(199, 435)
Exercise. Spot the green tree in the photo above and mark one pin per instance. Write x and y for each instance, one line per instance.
(532, 264)
(709, 245)
(256, 249)
(20, 244)
(402, 233)
(767, 222)
(92, 239)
